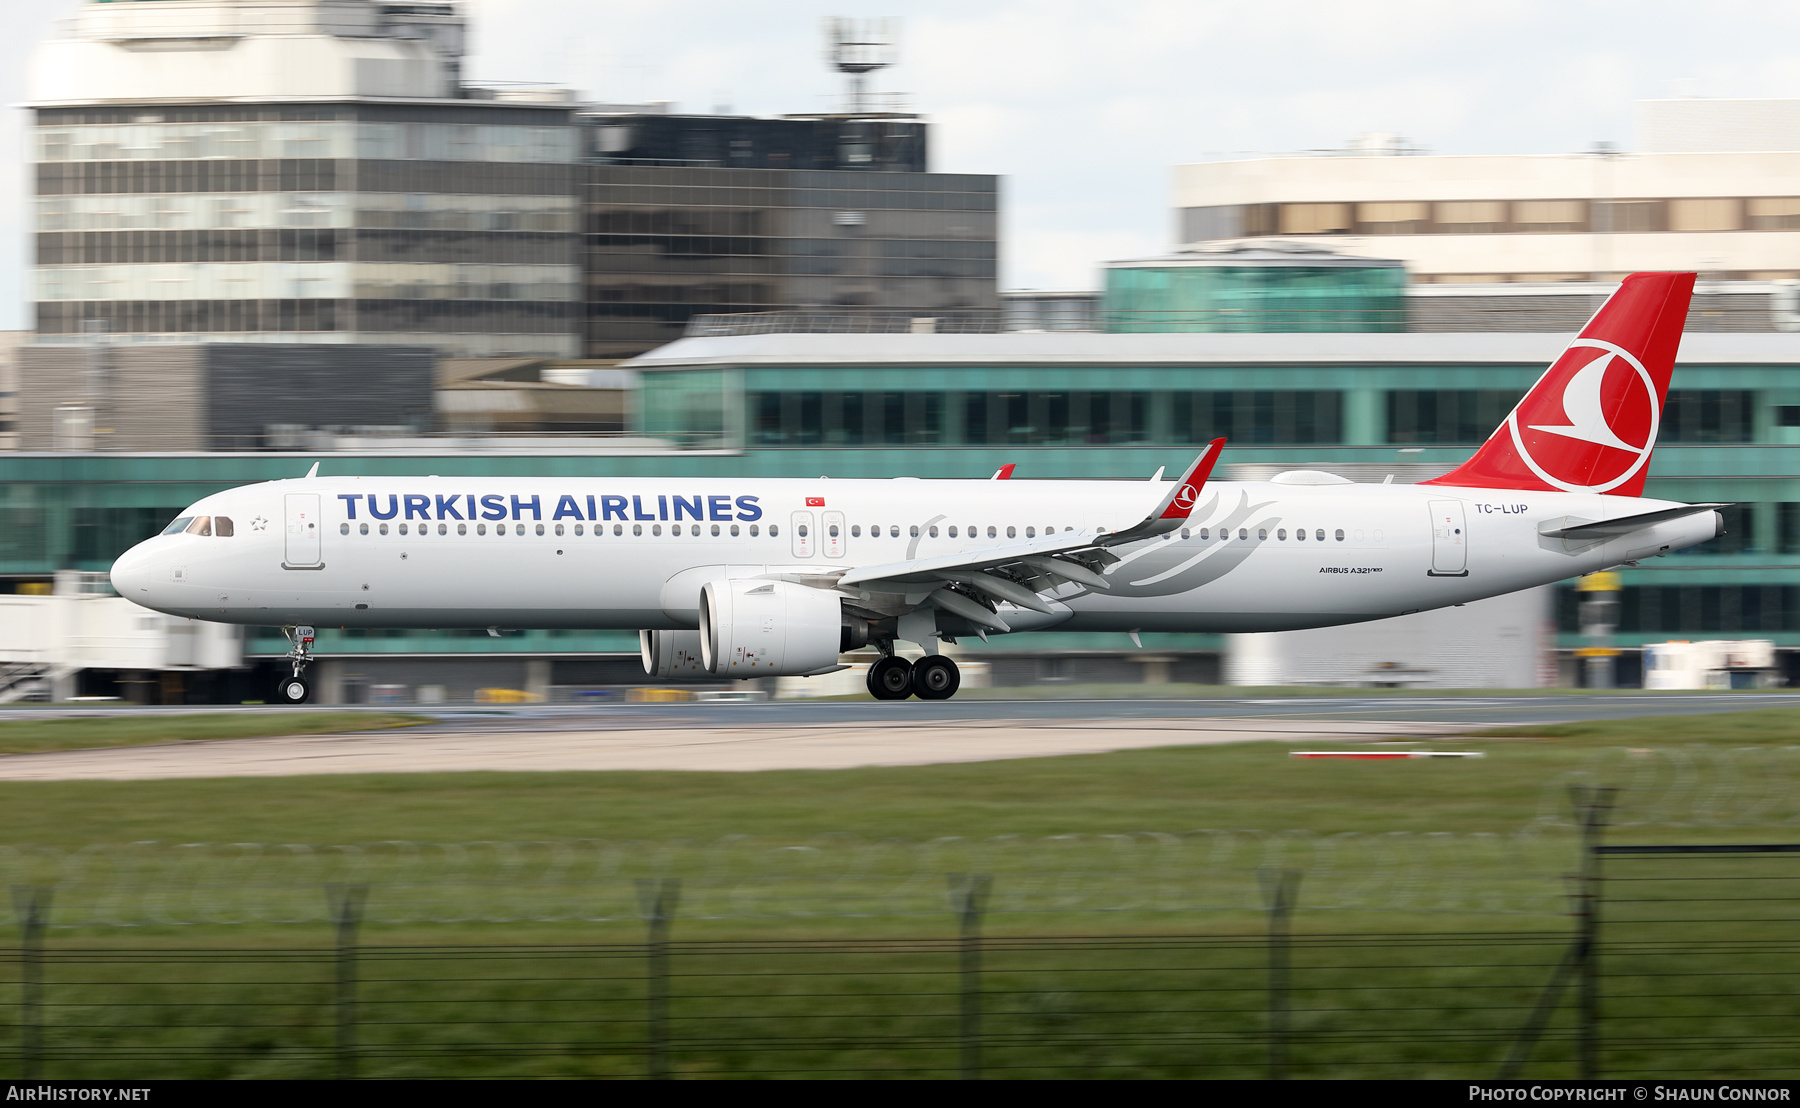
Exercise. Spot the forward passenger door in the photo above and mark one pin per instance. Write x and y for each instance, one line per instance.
(302, 549)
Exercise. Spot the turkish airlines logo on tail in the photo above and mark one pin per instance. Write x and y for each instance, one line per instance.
(1590, 423)
(1185, 497)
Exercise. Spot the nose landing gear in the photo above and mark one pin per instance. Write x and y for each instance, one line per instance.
(296, 689)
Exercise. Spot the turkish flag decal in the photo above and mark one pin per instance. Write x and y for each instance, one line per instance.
(815, 502)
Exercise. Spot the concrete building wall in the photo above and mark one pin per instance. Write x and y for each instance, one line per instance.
(140, 398)
(1500, 218)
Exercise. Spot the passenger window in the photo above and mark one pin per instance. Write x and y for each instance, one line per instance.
(1281, 534)
(1320, 534)
(1262, 533)
(637, 529)
(715, 529)
(222, 527)
(855, 530)
(1300, 533)
(1031, 533)
(656, 530)
(774, 530)
(1243, 532)
(559, 529)
(803, 530)
(1184, 533)
(893, 530)
(481, 528)
(577, 529)
(1012, 532)
(1206, 532)
(178, 526)
(953, 530)
(343, 528)
(384, 528)
(914, 531)
(934, 533)
(734, 530)
(202, 525)
(403, 528)
(540, 529)
(991, 532)
(462, 528)
(833, 529)
(618, 529)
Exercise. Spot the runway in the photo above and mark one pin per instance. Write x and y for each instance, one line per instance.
(738, 737)
(437, 749)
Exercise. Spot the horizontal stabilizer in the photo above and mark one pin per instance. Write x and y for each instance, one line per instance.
(1569, 528)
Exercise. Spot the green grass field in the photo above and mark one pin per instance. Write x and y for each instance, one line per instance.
(1428, 861)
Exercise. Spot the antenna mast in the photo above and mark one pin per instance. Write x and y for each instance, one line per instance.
(857, 48)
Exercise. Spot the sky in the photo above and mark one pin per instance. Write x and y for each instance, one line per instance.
(1083, 108)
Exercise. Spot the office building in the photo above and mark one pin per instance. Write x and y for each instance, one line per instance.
(297, 171)
(1711, 189)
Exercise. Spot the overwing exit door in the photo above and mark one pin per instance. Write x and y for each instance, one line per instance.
(302, 548)
(803, 536)
(1449, 539)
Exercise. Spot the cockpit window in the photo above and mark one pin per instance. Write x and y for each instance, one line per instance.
(222, 526)
(178, 526)
(202, 525)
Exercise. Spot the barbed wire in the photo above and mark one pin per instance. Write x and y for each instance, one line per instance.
(1695, 786)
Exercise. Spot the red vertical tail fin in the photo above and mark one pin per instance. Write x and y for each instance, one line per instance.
(1590, 422)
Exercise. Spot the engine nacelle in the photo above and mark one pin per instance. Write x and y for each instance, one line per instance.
(672, 655)
(751, 628)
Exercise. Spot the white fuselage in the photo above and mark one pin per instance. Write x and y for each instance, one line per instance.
(453, 552)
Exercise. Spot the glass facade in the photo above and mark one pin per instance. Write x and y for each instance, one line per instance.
(664, 244)
(1184, 296)
(453, 224)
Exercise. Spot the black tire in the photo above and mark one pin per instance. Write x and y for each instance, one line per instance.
(293, 690)
(891, 679)
(936, 678)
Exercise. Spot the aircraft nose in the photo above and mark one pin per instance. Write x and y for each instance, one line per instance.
(133, 573)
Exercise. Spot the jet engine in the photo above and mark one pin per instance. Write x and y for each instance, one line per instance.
(672, 655)
(751, 628)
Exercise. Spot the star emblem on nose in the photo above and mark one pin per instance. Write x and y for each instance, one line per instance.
(259, 524)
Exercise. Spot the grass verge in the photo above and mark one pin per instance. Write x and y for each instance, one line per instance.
(36, 736)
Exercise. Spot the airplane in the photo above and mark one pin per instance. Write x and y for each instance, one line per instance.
(728, 578)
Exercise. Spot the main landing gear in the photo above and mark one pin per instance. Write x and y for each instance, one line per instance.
(296, 689)
(934, 677)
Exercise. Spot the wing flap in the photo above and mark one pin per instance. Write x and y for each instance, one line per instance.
(921, 570)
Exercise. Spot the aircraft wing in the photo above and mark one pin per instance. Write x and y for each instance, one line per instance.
(1018, 571)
